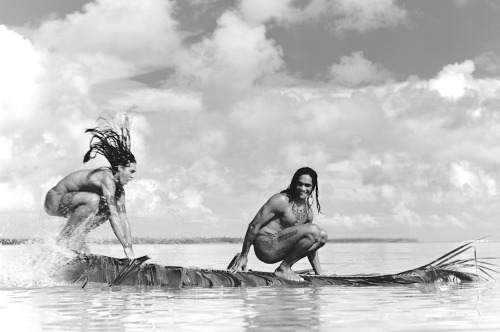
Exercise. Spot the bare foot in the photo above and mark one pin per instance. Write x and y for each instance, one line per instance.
(287, 274)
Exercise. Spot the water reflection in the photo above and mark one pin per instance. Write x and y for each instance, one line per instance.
(282, 309)
(392, 308)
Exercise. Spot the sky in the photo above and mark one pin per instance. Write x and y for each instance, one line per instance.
(395, 104)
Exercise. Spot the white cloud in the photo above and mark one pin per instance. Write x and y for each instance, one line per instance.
(488, 62)
(234, 58)
(42, 97)
(21, 69)
(454, 80)
(193, 199)
(355, 70)
(341, 15)
(363, 15)
(115, 38)
(404, 215)
(474, 183)
(17, 198)
(448, 221)
(353, 222)
(149, 198)
(296, 153)
(158, 100)
(5, 150)
(388, 192)
(260, 11)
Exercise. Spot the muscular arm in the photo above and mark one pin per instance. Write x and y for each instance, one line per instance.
(266, 213)
(263, 217)
(252, 231)
(126, 225)
(117, 216)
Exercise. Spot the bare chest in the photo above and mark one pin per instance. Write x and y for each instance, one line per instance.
(294, 215)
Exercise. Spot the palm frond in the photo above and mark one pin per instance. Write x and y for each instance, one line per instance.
(449, 268)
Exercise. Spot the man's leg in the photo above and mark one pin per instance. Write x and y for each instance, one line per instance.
(82, 206)
(96, 221)
(289, 246)
(313, 255)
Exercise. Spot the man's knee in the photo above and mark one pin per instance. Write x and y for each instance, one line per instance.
(323, 237)
(93, 203)
(315, 232)
(318, 234)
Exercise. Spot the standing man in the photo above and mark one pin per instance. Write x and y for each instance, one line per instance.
(283, 231)
(90, 197)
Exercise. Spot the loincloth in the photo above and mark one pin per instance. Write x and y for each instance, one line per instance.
(59, 203)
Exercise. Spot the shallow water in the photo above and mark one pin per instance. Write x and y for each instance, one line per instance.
(31, 301)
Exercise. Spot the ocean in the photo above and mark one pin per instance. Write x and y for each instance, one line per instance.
(31, 300)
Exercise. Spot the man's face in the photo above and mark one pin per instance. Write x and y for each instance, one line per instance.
(304, 186)
(126, 173)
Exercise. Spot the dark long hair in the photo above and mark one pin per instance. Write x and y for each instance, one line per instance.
(112, 142)
(291, 190)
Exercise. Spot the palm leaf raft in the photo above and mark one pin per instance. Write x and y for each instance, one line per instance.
(115, 271)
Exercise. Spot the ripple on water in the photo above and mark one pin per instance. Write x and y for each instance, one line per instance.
(436, 307)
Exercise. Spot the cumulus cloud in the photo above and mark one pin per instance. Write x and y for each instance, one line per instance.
(48, 77)
(137, 37)
(234, 58)
(454, 80)
(42, 102)
(21, 67)
(355, 70)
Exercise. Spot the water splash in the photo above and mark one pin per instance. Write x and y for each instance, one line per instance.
(32, 265)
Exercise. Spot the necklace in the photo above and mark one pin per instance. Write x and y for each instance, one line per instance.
(299, 213)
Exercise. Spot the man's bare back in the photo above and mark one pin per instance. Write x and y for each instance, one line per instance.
(90, 180)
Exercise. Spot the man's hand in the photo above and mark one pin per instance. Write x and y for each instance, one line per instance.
(239, 264)
(129, 252)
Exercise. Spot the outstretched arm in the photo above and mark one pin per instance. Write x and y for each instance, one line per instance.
(120, 226)
(126, 227)
(240, 264)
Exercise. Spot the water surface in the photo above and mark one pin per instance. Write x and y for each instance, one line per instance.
(31, 301)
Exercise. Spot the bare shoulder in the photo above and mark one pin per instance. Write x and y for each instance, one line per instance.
(102, 175)
(101, 172)
(278, 201)
(77, 180)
